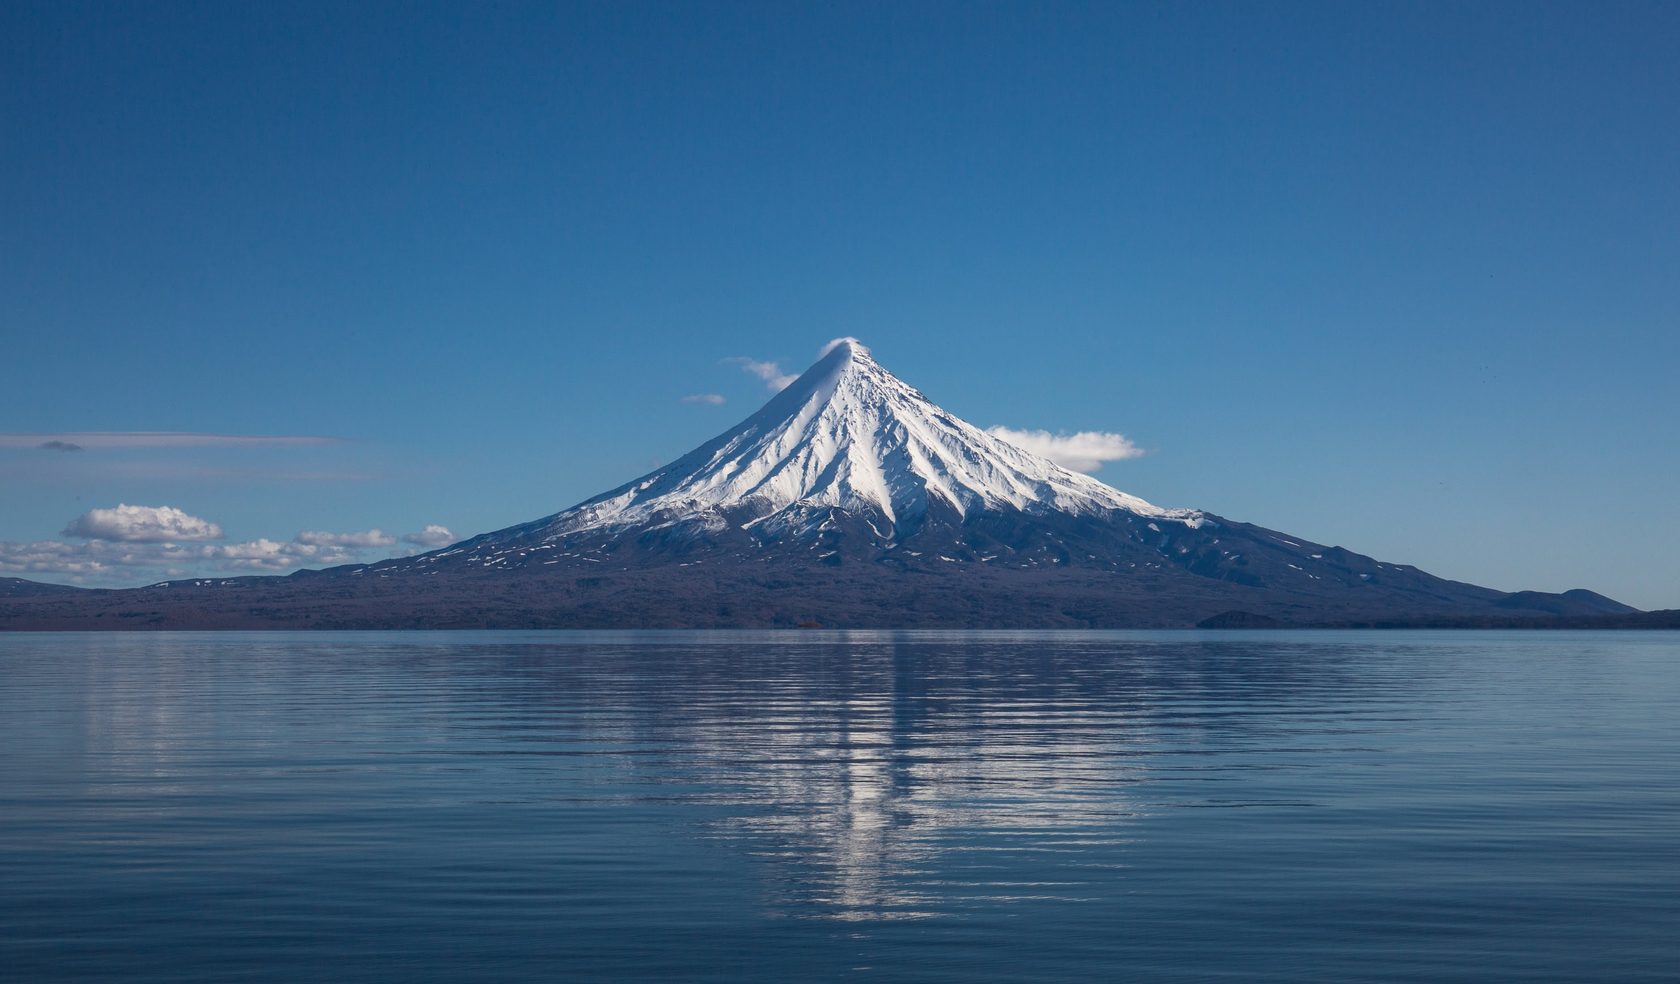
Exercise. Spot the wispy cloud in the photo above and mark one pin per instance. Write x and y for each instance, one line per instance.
(771, 372)
(709, 399)
(103, 440)
(142, 524)
(835, 343)
(366, 538)
(114, 468)
(1082, 451)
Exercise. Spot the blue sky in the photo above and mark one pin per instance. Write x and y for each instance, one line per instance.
(1400, 277)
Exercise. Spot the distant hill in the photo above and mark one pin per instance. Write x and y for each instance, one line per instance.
(17, 587)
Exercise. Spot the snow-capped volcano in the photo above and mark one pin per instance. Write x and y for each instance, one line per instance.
(848, 435)
(848, 500)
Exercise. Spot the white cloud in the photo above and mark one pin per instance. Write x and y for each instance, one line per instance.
(263, 554)
(91, 440)
(432, 536)
(137, 544)
(95, 560)
(710, 399)
(1084, 451)
(770, 372)
(53, 558)
(366, 538)
(142, 524)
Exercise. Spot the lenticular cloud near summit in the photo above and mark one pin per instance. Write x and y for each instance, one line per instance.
(1084, 451)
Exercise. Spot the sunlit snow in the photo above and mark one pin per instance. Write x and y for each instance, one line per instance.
(849, 435)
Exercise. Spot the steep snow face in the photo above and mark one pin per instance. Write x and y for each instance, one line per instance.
(849, 435)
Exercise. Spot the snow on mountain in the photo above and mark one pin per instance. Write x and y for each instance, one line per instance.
(847, 500)
(847, 435)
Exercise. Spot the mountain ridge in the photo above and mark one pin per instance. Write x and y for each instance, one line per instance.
(848, 499)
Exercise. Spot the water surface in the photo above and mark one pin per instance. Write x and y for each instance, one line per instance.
(817, 806)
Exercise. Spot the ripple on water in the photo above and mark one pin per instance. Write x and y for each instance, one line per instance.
(899, 806)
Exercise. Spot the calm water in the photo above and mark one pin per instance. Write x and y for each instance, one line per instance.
(811, 806)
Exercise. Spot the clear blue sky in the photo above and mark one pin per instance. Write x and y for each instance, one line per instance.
(1400, 277)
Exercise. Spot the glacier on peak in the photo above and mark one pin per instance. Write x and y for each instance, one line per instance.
(848, 435)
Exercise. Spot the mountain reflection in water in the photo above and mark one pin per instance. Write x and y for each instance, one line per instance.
(880, 774)
(439, 807)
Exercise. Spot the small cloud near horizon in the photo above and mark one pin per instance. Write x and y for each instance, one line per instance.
(125, 544)
(366, 538)
(1083, 451)
(709, 399)
(431, 537)
(57, 445)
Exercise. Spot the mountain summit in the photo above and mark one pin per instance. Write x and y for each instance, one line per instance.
(849, 499)
(848, 436)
